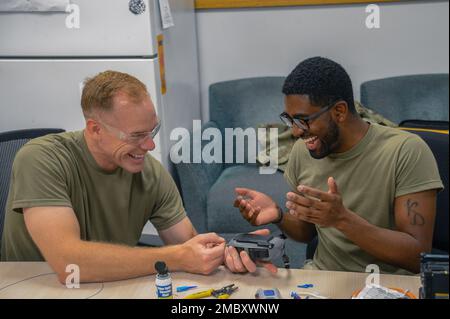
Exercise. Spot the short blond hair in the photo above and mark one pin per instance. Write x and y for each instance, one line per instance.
(99, 91)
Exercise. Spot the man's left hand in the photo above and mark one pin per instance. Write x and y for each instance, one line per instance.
(317, 207)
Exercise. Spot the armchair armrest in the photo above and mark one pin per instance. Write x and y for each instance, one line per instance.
(195, 180)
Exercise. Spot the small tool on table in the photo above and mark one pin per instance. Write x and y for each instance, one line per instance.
(222, 293)
(305, 286)
(185, 288)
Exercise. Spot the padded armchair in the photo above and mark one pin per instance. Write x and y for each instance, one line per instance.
(10, 143)
(412, 97)
(208, 189)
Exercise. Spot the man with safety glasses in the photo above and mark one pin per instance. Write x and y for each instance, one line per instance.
(367, 191)
(84, 197)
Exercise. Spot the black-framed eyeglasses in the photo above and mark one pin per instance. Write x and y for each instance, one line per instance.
(301, 121)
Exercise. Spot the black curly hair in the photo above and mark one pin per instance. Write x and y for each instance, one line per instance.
(323, 80)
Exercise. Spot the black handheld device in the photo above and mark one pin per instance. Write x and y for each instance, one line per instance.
(261, 247)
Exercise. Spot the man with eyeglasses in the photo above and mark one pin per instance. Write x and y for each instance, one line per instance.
(84, 197)
(367, 191)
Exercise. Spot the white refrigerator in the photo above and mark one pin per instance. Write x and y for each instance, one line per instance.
(46, 52)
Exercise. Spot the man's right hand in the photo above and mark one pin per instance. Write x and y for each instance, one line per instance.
(203, 253)
(256, 207)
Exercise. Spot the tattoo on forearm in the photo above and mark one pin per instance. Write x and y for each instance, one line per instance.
(415, 217)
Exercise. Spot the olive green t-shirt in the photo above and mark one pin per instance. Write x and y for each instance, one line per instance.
(385, 164)
(113, 207)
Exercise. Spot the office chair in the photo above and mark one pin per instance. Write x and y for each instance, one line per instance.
(438, 143)
(10, 143)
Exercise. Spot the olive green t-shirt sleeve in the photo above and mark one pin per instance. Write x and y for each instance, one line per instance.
(293, 166)
(168, 210)
(37, 179)
(416, 169)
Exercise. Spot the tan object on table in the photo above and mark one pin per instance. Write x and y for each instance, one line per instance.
(37, 280)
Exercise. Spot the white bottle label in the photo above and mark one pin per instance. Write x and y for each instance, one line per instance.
(164, 289)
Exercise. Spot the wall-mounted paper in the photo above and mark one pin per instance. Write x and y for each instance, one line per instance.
(33, 5)
(166, 14)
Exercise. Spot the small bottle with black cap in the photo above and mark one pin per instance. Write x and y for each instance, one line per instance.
(163, 281)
